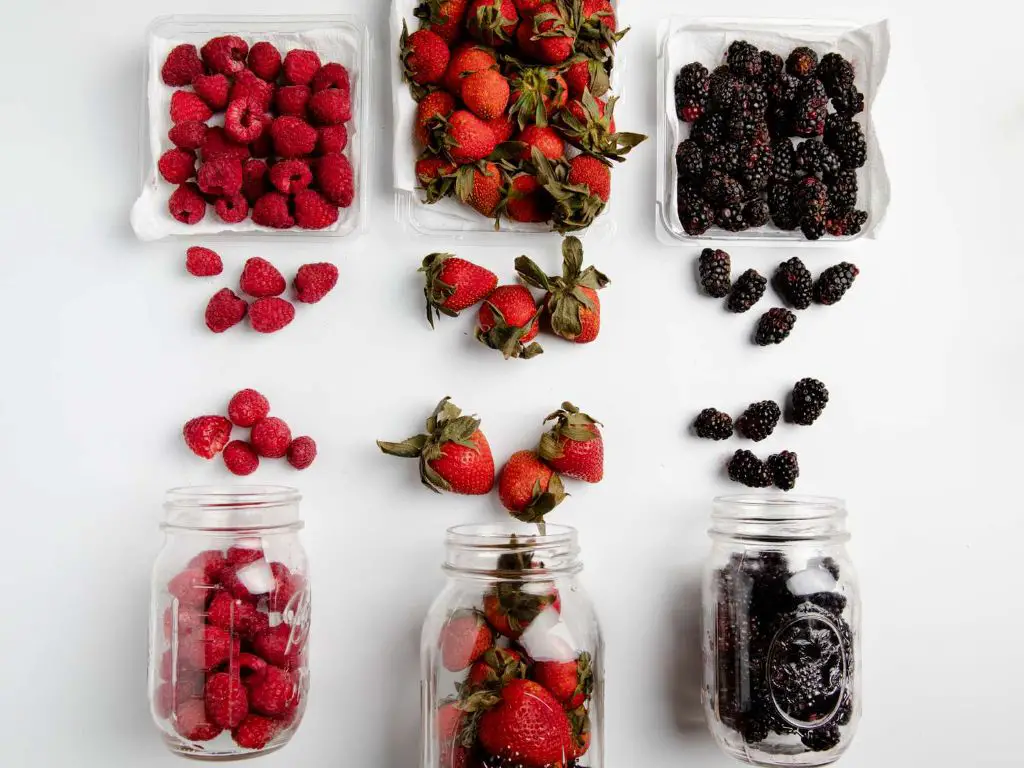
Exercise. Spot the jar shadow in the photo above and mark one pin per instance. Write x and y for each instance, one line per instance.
(402, 698)
(686, 678)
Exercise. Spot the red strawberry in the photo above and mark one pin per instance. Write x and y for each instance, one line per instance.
(586, 74)
(277, 646)
(261, 278)
(270, 314)
(237, 616)
(492, 22)
(527, 8)
(571, 682)
(181, 66)
(454, 284)
(188, 135)
(545, 139)
(192, 722)
(436, 177)
(443, 17)
(186, 107)
(240, 458)
(468, 139)
(206, 436)
(425, 56)
(550, 38)
(574, 446)
(213, 89)
(177, 165)
(496, 668)
(582, 196)
(265, 61)
(292, 100)
(336, 179)
(314, 281)
(255, 732)
(508, 320)
(232, 209)
(537, 93)
(430, 110)
(192, 586)
(272, 210)
(598, 27)
(486, 93)
(313, 210)
(225, 54)
(302, 452)
(272, 692)
(588, 171)
(579, 722)
(454, 454)
(225, 310)
(482, 190)
(590, 125)
(450, 722)
(528, 726)
(300, 66)
(502, 127)
(226, 700)
(331, 75)
(528, 488)
(291, 176)
(466, 60)
(464, 639)
(527, 201)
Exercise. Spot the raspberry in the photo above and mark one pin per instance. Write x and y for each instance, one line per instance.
(238, 616)
(188, 618)
(163, 700)
(247, 664)
(227, 702)
(287, 584)
(291, 176)
(270, 315)
(314, 281)
(271, 437)
(300, 66)
(233, 209)
(211, 562)
(177, 165)
(224, 310)
(271, 210)
(221, 176)
(272, 691)
(185, 106)
(264, 145)
(292, 100)
(293, 136)
(186, 204)
(245, 552)
(225, 54)
(208, 647)
(302, 452)
(188, 135)
(247, 85)
(265, 61)
(202, 262)
(181, 65)
(335, 178)
(312, 211)
(275, 647)
(331, 75)
(247, 407)
(243, 121)
(261, 278)
(331, 139)
(213, 89)
(192, 723)
(240, 458)
(217, 144)
(206, 436)
(255, 732)
(254, 178)
(331, 107)
(191, 587)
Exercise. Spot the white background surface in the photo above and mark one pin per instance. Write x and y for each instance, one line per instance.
(105, 356)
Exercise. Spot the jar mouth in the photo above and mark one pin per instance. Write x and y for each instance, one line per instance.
(232, 508)
(777, 516)
(498, 550)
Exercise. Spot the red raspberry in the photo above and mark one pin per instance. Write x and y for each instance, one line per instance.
(255, 732)
(189, 617)
(302, 452)
(271, 210)
(245, 552)
(208, 647)
(185, 106)
(300, 66)
(243, 121)
(293, 136)
(211, 561)
(181, 65)
(271, 437)
(163, 700)
(233, 209)
(213, 89)
(227, 702)
(249, 581)
(237, 616)
(240, 458)
(254, 178)
(275, 647)
(247, 407)
(287, 585)
(206, 436)
(177, 165)
(291, 176)
(314, 281)
(261, 278)
(265, 61)
(225, 54)
(188, 135)
(332, 75)
(217, 144)
(271, 314)
(202, 262)
(245, 665)
(221, 176)
(191, 721)
(336, 180)
(191, 587)
(272, 692)
(247, 85)
(314, 212)
(331, 107)
(166, 665)
(186, 204)
(331, 139)
(224, 310)
(291, 100)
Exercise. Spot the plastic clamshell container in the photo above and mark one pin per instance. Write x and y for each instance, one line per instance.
(683, 39)
(341, 38)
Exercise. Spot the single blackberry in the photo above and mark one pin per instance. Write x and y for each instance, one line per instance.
(783, 89)
(691, 91)
(715, 268)
(746, 468)
(690, 161)
(755, 213)
(842, 190)
(730, 218)
(821, 739)
(722, 190)
(802, 62)
(814, 157)
(807, 402)
(774, 327)
(810, 196)
(835, 72)
(833, 602)
(813, 226)
(723, 88)
(713, 425)
(810, 109)
(747, 291)
(708, 130)
(794, 283)
(771, 65)
(848, 102)
(845, 223)
(755, 166)
(846, 138)
(830, 565)
(748, 127)
(834, 282)
(754, 729)
(782, 206)
(785, 470)
(751, 99)
(759, 420)
(783, 160)
(744, 60)
(695, 214)
(724, 157)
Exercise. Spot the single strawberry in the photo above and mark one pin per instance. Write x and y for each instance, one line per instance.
(486, 93)
(314, 281)
(225, 54)
(454, 284)
(492, 22)
(255, 732)
(579, 723)
(574, 445)
(537, 93)
(589, 172)
(549, 38)
(589, 124)
(481, 188)
(431, 113)
(443, 17)
(436, 177)
(213, 89)
(265, 61)
(509, 320)
(466, 60)
(451, 735)
(464, 639)
(527, 201)
(206, 436)
(586, 74)
(571, 682)
(527, 727)
(544, 138)
(598, 28)
(495, 669)
(528, 488)
(187, 107)
(581, 189)
(468, 139)
(512, 605)
(261, 278)
(503, 127)
(453, 453)
(425, 56)
(527, 8)
(181, 66)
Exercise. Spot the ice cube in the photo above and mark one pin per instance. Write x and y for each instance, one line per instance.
(811, 581)
(548, 638)
(257, 577)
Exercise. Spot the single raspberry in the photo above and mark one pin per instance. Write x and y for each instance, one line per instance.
(331, 139)
(247, 407)
(224, 310)
(248, 582)
(314, 281)
(272, 691)
(213, 89)
(202, 262)
(177, 165)
(240, 458)
(254, 178)
(245, 665)
(291, 176)
(271, 210)
(336, 180)
(261, 278)
(331, 75)
(264, 145)
(186, 106)
(192, 586)
(292, 100)
(271, 437)
(245, 552)
(206, 436)
(187, 204)
(302, 452)
(255, 732)
(265, 61)
(221, 176)
(192, 723)
(232, 209)
(237, 616)
(248, 86)
(225, 54)
(227, 702)
(300, 66)
(188, 617)
(188, 135)
(217, 144)
(312, 211)
(331, 107)
(287, 584)
(271, 314)
(293, 136)
(243, 121)
(211, 561)
(208, 647)
(181, 65)
(163, 700)
(275, 646)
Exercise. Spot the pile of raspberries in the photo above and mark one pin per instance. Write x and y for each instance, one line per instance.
(235, 632)
(279, 156)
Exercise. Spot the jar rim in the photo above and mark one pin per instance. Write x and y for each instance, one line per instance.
(498, 535)
(232, 508)
(477, 550)
(777, 507)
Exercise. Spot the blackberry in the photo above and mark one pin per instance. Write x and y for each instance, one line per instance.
(802, 62)
(747, 126)
(833, 602)
(842, 190)
(830, 565)
(846, 138)
(794, 283)
(783, 89)
(722, 190)
(691, 91)
(821, 739)
(755, 213)
(779, 119)
(774, 327)
(695, 214)
(755, 166)
(835, 72)
(713, 425)
(783, 159)
(810, 196)
(745, 467)
(708, 130)
(782, 206)
(690, 161)
(814, 157)
(731, 219)
(813, 226)
(747, 291)
(751, 99)
(834, 282)
(785, 470)
(723, 88)
(744, 60)
(771, 65)
(845, 223)
(759, 420)
(715, 273)
(724, 157)
(810, 109)
(807, 402)
(848, 102)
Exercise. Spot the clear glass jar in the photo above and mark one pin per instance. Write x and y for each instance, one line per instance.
(512, 654)
(228, 669)
(781, 631)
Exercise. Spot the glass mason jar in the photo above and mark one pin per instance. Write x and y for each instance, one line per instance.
(781, 631)
(512, 654)
(228, 670)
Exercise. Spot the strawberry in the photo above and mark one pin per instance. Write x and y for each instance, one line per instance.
(503, 127)
(590, 125)
(579, 722)
(451, 721)
(464, 639)
(527, 8)
(544, 138)
(443, 17)
(581, 189)
(549, 38)
(537, 93)
(527, 201)
(508, 320)
(528, 488)
(454, 284)
(571, 682)
(480, 189)
(598, 28)
(454, 455)
(468, 139)
(586, 74)
(510, 608)
(571, 303)
(431, 113)
(574, 445)
(587, 171)
(424, 55)
(206, 436)
(466, 60)
(495, 669)
(492, 22)
(527, 727)
(436, 177)
(486, 93)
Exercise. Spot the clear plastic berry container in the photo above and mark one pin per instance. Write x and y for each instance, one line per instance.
(683, 39)
(512, 654)
(335, 38)
(781, 631)
(228, 658)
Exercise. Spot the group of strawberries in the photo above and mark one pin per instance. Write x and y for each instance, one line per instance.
(516, 121)
(510, 318)
(279, 155)
(226, 667)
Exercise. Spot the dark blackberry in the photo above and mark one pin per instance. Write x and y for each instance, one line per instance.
(774, 327)
(746, 468)
(690, 161)
(813, 226)
(830, 565)
(695, 214)
(810, 109)
(708, 130)
(845, 714)
(842, 190)
(814, 157)
(834, 282)
(755, 166)
(747, 127)
(783, 158)
(724, 157)
(833, 602)
(802, 62)
(783, 89)
(821, 739)
(754, 729)
(771, 65)
(731, 219)
(794, 283)
(810, 196)
(780, 122)
(715, 268)
(751, 99)
(785, 470)
(845, 223)
(782, 206)
(713, 425)
(744, 60)
(691, 91)
(807, 402)
(747, 291)
(759, 420)
(846, 138)
(848, 102)
(723, 89)
(755, 213)
(722, 190)
(835, 72)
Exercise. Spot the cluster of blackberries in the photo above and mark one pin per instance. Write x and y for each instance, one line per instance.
(794, 283)
(780, 470)
(739, 168)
